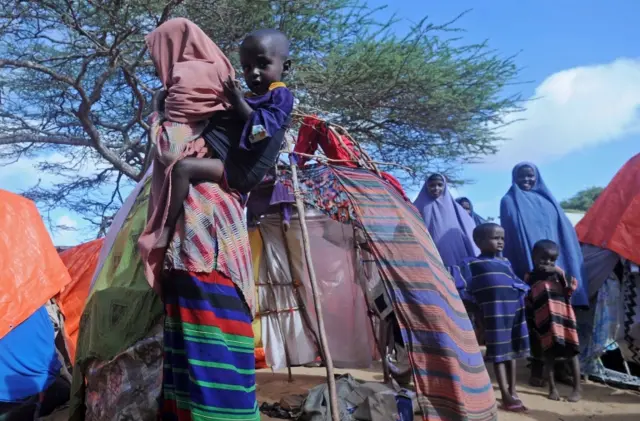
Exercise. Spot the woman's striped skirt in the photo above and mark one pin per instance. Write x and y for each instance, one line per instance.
(209, 366)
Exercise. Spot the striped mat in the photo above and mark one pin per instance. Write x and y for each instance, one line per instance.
(451, 380)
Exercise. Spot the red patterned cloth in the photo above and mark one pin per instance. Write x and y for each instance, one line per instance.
(315, 132)
(554, 320)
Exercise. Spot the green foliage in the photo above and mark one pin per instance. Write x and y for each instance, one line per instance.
(76, 84)
(582, 200)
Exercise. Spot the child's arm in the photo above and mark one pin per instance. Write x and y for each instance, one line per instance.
(569, 285)
(518, 283)
(234, 94)
(269, 116)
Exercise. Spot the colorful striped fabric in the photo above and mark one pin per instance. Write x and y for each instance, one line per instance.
(212, 236)
(501, 296)
(553, 317)
(209, 365)
(451, 379)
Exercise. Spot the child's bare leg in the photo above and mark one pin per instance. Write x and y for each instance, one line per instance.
(503, 384)
(549, 369)
(511, 373)
(576, 394)
(185, 172)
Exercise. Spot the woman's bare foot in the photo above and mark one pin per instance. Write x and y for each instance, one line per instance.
(554, 395)
(164, 239)
(575, 396)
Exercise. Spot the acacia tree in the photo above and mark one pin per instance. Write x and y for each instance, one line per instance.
(76, 83)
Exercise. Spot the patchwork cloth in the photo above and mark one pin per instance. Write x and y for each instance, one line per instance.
(128, 386)
(451, 379)
(629, 337)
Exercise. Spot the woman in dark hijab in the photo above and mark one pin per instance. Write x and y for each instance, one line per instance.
(468, 206)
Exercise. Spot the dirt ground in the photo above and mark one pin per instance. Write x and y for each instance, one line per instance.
(599, 403)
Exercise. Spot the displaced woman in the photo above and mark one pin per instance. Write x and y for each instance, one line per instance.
(451, 227)
(529, 213)
(205, 277)
(468, 206)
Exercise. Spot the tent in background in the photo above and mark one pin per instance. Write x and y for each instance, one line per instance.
(31, 365)
(610, 234)
(32, 272)
(81, 263)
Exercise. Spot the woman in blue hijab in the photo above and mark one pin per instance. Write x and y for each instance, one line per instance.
(450, 226)
(468, 206)
(529, 213)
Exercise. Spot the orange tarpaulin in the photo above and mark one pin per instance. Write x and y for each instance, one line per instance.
(32, 272)
(613, 221)
(81, 262)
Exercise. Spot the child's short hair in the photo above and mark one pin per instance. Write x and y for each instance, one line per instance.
(279, 40)
(482, 231)
(546, 246)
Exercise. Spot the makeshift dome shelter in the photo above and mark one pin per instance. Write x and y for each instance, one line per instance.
(32, 345)
(610, 237)
(372, 256)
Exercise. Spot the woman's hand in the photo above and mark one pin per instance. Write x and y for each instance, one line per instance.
(233, 91)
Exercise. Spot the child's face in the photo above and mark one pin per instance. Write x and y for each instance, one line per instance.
(261, 64)
(493, 243)
(545, 260)
(435, 187)
(526, 178)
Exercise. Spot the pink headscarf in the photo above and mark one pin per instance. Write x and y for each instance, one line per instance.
(192, 69)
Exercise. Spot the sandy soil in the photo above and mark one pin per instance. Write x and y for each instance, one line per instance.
(599, 403)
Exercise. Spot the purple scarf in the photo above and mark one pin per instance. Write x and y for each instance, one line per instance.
(450, 226)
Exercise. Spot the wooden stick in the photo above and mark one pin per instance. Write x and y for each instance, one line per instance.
(333, 396)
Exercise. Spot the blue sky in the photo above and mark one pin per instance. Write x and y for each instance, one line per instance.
(583, 61)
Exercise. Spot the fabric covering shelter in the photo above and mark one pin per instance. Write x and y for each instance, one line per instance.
(32, 271)
(425, 299)
(613, 222)
(610, 237)
(355, 206)
(120, 315)
(33, 377)
(285, 325)
(81, 262)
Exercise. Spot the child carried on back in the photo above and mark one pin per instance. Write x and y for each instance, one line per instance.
(193, 139)
(489, 282)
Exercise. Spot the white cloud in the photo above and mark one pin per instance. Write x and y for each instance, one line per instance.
(67, 221)
(67, 232)
(23, 174)
(575, 109)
